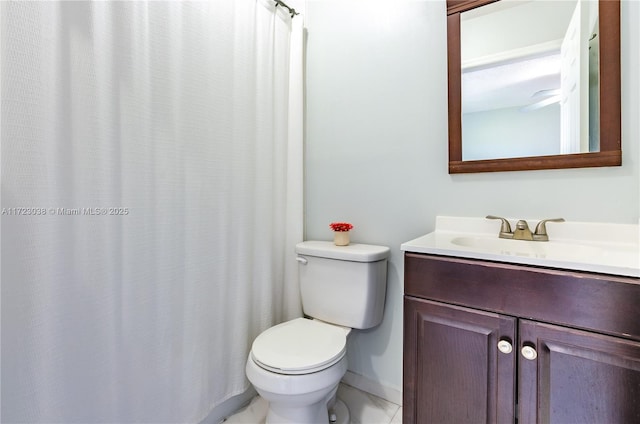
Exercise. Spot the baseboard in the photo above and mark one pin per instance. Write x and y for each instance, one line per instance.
(373, 387)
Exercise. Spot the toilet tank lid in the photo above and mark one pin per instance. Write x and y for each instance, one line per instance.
(353, 252)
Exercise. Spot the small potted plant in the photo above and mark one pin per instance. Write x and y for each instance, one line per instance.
(341, 233)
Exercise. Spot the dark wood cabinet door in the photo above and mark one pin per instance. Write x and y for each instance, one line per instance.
(453, 370)
(578, 377)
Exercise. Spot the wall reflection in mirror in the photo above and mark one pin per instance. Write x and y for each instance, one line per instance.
(530, 81)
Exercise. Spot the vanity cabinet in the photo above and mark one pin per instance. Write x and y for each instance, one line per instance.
(494, 342)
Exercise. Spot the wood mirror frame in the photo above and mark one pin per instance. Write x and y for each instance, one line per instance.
(610, 153)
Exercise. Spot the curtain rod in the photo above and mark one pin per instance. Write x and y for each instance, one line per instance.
(286, 6)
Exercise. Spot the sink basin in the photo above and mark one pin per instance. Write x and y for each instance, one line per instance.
(594, 247)
(536, 249)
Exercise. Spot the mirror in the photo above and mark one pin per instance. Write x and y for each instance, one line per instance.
(505, 117)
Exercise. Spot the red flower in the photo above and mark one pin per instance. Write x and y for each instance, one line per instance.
(340, 226)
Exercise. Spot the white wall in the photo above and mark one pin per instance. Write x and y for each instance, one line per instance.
(376, 147)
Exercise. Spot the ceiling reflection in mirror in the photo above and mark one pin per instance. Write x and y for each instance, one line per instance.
(530, 79)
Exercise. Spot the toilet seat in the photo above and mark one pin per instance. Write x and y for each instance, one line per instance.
(299, 346)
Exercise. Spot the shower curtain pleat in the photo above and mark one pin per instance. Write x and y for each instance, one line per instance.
(292, 308)
(159, 147)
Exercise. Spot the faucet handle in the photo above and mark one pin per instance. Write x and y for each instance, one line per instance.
(541, 228)
(505, 229)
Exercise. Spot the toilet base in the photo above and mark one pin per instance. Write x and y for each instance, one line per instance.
(297, 399)
(340, 412)
(256, 412)
(303, 412)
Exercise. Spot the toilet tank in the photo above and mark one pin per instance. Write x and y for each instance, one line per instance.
(344, 285)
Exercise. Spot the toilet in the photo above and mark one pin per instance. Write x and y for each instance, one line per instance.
(297, 365)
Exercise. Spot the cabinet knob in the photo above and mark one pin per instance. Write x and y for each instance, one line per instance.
(505, 346)
(529, 352)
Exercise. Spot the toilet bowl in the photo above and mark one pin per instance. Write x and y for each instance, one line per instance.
(297, 365)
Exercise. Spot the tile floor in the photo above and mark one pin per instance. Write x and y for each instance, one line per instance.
(363, 407)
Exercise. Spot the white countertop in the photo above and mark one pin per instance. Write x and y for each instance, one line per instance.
(594, 247)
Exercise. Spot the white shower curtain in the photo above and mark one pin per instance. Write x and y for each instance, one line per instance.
(151, 200)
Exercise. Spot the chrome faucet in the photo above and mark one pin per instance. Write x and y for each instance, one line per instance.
(522, 231)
